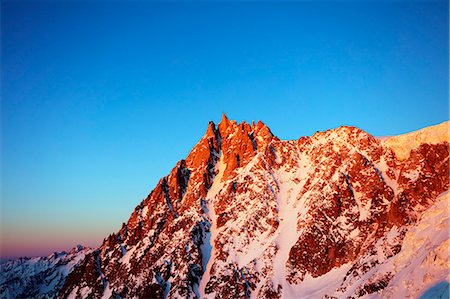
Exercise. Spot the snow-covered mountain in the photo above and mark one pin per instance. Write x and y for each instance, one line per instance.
(40, 277)
(340, 214)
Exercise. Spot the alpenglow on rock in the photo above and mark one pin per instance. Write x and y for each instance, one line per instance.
(246, 215)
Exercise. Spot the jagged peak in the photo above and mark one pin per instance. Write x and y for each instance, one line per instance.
(261, 128)
(211, 130)
(227, 127)
(205, 148)
(224, 121)
(224, 118)
(225, 124)
(77, 249)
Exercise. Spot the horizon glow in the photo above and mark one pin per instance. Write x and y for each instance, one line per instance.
(100, 100)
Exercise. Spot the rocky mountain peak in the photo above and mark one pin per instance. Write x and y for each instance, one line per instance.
(211, 130)
(77, 249)
(247, 215)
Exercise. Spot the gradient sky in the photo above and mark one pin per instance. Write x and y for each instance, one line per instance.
(100, 100)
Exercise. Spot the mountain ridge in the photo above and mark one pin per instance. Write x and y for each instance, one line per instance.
(249, 215)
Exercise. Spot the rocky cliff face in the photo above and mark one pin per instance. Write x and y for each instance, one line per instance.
(247, 215)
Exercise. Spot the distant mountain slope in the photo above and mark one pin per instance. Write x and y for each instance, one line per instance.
(339, 214)
(40, 277)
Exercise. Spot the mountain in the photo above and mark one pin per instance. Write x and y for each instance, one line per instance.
(40, 277)
(340, 214)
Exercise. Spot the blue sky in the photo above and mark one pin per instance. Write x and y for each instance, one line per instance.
(100, 100)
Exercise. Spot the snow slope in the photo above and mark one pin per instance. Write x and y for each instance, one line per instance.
(208, 248)
(403, 144)
(423, 261)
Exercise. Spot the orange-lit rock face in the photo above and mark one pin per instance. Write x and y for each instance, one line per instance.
(240, 143)
(248, 214)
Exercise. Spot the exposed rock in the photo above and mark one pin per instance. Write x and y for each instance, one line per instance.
(274, 212)
(248, 215)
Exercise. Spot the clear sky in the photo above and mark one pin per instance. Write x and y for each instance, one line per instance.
(100, 100)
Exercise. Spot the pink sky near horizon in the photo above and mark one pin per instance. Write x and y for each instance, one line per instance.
(43, 243)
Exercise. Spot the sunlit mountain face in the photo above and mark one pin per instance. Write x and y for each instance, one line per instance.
(246, 215)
